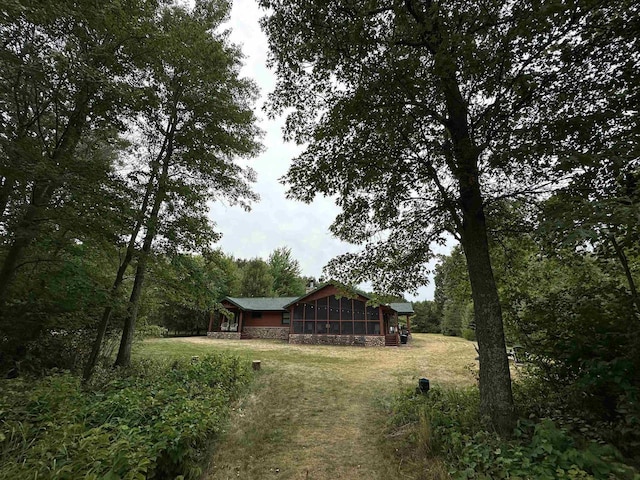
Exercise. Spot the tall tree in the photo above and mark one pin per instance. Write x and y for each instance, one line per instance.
(66, 76)
(285, 271)
(599, 210)
(83, 229)
(417, 114)
(188, 289)
(452, 290)
(427, 318)
(255, 278)
(198, 123)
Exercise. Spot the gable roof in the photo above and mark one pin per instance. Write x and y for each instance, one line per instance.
(326, 285)
(402, 308)
(283, 303)
(261, 303)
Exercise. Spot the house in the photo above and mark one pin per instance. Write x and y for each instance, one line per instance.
(327, 315)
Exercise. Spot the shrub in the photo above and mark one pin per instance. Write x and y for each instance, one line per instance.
(469, 334)
(578, 406)
(64, 349)
(148, 421)
(446, 424)
(579, 327)
(150, 331)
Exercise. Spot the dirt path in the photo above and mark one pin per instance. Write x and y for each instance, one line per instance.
(318, 412)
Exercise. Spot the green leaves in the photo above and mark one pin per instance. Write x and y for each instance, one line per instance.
(78, 77)
(364, 87)
(538, 449)
(149, 421)
(285, 271)
(256, 279)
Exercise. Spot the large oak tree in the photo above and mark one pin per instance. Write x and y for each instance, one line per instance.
(419, 114)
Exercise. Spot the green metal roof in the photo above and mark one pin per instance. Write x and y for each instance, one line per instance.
(261, 303)
(402, 308)
(281, 303)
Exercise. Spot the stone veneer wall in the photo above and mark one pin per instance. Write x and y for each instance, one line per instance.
(361, 340)
(281, 333)
(224, 335)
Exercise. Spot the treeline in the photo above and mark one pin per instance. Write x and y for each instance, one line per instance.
(186, 289)
(451, 310)
(118, 123)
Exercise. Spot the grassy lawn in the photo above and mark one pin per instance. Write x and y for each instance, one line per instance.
(318, 412)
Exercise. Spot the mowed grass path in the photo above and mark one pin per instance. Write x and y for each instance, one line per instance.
(318, 412)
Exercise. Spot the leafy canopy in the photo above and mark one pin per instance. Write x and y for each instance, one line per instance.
(543, 85)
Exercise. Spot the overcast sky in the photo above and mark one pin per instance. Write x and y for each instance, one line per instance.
(276, 221)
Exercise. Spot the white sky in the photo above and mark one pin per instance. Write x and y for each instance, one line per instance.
(276, 221)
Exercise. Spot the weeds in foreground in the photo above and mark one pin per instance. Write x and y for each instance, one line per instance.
(151, 420)
(444, 424)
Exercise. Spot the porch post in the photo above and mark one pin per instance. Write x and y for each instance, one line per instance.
(290, 319)
(211, 315)
(381, 320)
(240, 321)
(409, 324)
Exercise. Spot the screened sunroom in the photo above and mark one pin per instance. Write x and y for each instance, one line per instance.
(333, 315)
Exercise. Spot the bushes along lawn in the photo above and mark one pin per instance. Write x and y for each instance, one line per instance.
(153, 420)
(445, 424)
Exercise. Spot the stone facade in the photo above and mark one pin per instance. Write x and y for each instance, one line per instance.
(224, 335)
(358, 340)
(280, 333)
(374, 341)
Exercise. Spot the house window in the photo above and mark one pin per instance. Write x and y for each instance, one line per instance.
(334, 308)
(347, 311)
(322, 312)
(346, 328)
(256, 314)
(334, 316)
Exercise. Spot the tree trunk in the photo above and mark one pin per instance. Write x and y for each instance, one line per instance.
(124, 352)
(627, 272)
(26, 231)
(29, 226)
(106, 315)
(5, 194)
(496, 398)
